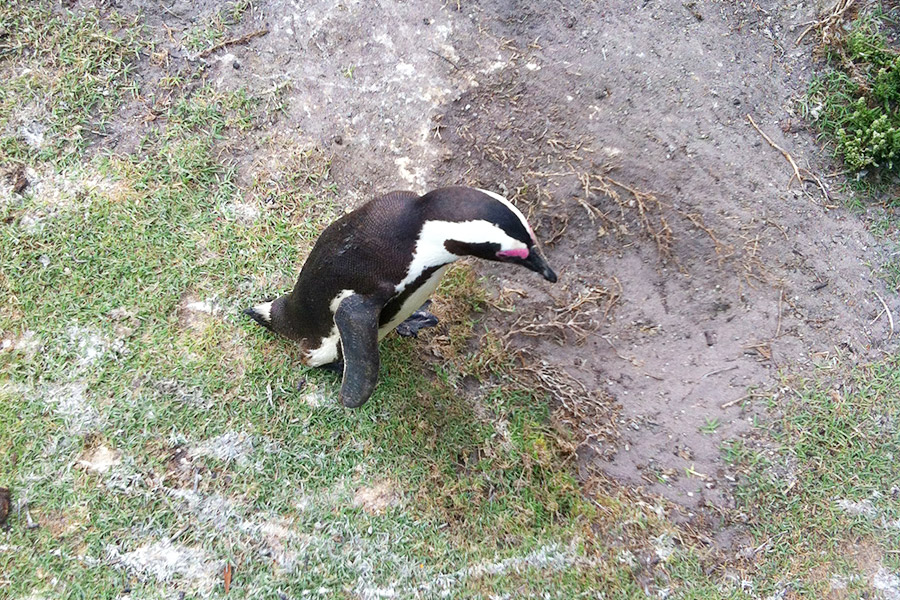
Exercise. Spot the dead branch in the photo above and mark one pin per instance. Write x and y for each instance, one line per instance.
(238, 40)
(887, 311)
(784, 152)
(572, 317)
(830, 24)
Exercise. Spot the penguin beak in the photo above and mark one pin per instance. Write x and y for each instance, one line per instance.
(538, 264)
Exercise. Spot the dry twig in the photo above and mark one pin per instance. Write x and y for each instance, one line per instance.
(238, 40)
(784, 152)
(797, 173)
(830, 24)
(571, 317)
(887, 311)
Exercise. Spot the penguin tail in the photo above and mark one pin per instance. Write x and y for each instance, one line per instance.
(261, 313)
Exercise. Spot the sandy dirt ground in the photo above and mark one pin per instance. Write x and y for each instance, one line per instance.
(693, 271)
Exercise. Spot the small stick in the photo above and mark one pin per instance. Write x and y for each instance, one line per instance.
(227, 576)
(716, 372)
(803, 35)
(441, 56)
(888, 311)
(780, 300)
(735, 401)
(237, 40)
(819, 183)
(784, 152)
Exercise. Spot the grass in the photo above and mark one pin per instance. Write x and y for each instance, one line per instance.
(827, 499)
(213, 29)
(122, 278)
(64, 75)
(856, 101)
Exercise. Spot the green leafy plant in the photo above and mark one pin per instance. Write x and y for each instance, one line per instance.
(856, 102)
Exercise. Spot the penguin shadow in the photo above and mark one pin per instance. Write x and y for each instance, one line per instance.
(429, 404)
(417, 411)
(422, 408)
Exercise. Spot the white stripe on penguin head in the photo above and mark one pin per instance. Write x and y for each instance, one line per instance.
(514, 210)
(431, 252)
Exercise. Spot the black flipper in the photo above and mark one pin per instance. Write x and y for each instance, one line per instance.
(357, 321)
(419, 320)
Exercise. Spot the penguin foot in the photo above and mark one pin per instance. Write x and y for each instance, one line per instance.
(336, 367)
(419, 320)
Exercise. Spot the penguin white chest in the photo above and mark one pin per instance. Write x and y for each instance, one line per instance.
(414, 301)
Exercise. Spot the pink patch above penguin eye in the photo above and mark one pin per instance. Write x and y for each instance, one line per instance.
(516, 253)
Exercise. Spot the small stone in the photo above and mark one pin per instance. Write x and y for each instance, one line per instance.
(338, 140)
(5, 504)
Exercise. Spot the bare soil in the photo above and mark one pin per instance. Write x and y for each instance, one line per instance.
(692, 269)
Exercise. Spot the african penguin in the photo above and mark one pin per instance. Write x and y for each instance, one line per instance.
(372, 268)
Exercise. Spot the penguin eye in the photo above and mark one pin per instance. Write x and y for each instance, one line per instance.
(514, 253)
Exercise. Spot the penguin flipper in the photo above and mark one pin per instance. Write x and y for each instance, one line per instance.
(357, 322)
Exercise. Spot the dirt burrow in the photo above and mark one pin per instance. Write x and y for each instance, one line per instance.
(537, 99)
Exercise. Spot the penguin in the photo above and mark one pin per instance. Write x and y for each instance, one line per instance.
(371, 271)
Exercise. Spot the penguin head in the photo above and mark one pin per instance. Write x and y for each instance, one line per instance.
(488, 226)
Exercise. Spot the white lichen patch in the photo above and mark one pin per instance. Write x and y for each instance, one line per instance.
(316, 398)
(197, 313)
(377, 498)
(887, 583)
(70, 403)
(230, 446)
(171, 389)
(89, 346)
(99, 459)
(51, 191)
(203, 306)
(241, 212)
(385, 40)
(32, 133)
(412, 175)
(277, 541)
(551, 557)
(163, 561)
(664, 546)
(28, 344)
(838, 582)
(124, 477)
(212, 509)
(861, 508)
(406, 69)
(324, 500)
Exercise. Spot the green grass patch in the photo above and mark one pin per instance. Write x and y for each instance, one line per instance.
(214, 28)
(63, 75)
(856, 102)
(826, 502)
